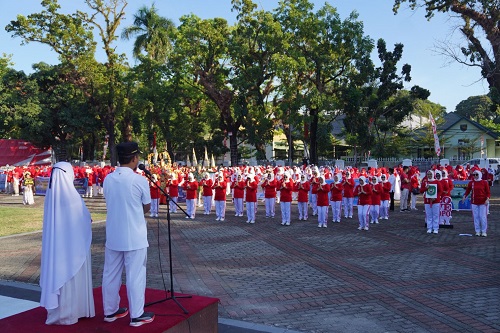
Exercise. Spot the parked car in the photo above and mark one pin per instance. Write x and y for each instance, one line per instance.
(485, 163)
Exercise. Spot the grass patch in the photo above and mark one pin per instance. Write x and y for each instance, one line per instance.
(17, 220)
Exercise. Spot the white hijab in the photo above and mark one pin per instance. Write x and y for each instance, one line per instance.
(66, 236)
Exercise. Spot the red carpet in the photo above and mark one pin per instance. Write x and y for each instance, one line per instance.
(168, 314)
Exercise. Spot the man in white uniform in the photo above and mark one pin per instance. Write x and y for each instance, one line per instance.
(127, 200)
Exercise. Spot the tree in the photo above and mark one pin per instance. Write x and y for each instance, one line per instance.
(476, 108)
(201, 58)
(480, 27)
(70, 36)
(153, 45)
(326, 52)
(255, 41)
(152, 34)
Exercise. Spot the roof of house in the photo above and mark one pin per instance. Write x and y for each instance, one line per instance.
(452, 118)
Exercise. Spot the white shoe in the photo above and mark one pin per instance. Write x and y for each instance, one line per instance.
(478, 234)
(319, 225)
(187, 217)
(221, 219)
(324, 225)
(283, 223)
(376, 221)
(252, 222)
(217, 219)
(288, 223)
(435, 232)
(429, 231)
(248, 221)
(360, 228)
(366, 228)
(484, 234)
(156, 215)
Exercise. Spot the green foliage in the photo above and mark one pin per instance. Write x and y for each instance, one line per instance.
(480, 21)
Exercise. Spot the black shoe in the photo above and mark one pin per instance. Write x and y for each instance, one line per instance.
(146, 318)
(122, 312)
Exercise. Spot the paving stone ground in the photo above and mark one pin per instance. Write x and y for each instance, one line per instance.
(392, 278)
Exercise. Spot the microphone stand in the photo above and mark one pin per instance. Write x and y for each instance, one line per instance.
(172, 297)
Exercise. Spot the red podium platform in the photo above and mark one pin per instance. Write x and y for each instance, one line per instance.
(202, 317)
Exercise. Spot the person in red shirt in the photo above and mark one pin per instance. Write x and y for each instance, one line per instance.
(269, 186)
(385, 197)
(336, 189)
(220, 196)
(285, 187)
(480, 199)
(405, 189)
(251, 197)
(238, 187)
(172, 188)
(154, 190)
(432, 200)
(302, 187)
(348, 194)
(322, 202)
(415, 188)
(364, 193)
(376, 199)
(207, 188)
(314, 181)
(191, 188)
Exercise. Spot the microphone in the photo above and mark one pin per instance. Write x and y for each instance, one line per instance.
(143, 168)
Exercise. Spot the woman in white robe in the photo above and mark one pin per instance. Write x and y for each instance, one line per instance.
(66, 271)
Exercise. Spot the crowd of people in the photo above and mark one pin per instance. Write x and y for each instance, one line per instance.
(131, 191)
(313, 189)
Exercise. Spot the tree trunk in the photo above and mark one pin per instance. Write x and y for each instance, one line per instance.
(313, 135)
(233, 148)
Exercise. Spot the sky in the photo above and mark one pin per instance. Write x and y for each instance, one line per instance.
(448, 81)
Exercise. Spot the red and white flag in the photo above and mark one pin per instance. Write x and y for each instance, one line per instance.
(437, 148)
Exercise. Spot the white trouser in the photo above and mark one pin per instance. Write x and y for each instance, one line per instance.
(374, 212)
(220, 208)
(314, 203)
(135, 271)
(336, 210)
(432, 216)
(322, 214)
(348, 207)
(155, 205)
(384, 208)
(302, 210)
(173, 206)
(191, 207)
(89, 191)
(479, 213)
(251, 211)
(285, 211)
(207, 204)
(363, 215)
(413, 204)
(238, 206)
(270, 205)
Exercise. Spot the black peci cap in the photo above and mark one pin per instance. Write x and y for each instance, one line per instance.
(128, 148)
